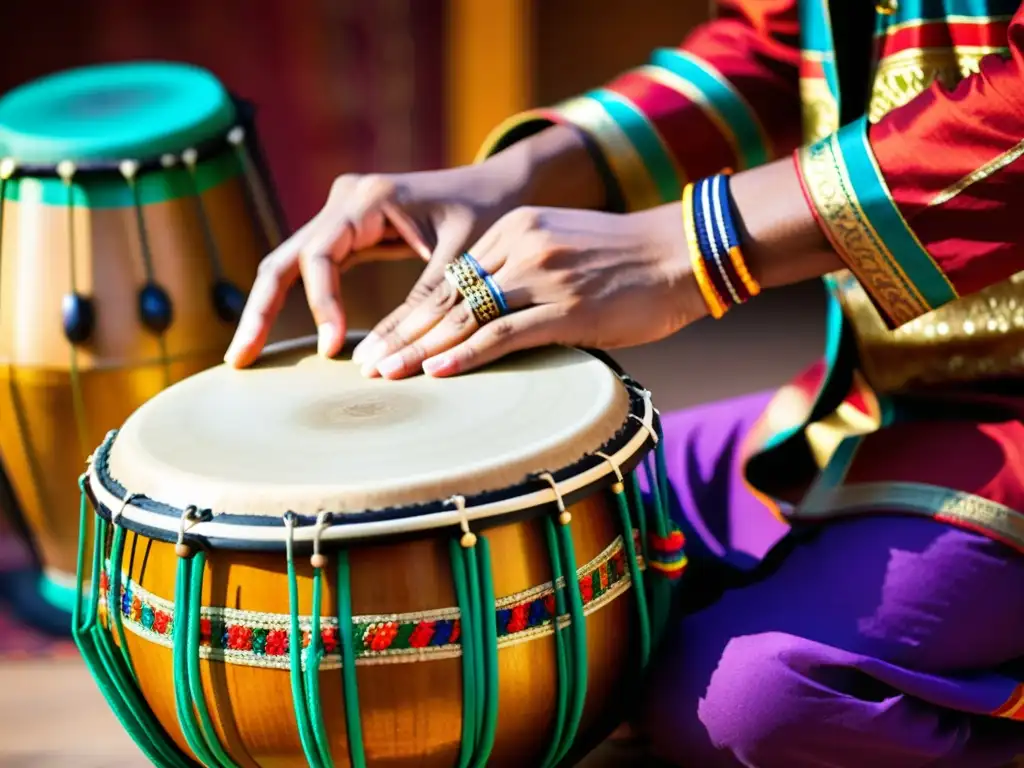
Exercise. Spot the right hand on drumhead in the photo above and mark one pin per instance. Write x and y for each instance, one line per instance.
(436, 214)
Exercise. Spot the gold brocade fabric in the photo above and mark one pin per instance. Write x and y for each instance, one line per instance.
(979, 336)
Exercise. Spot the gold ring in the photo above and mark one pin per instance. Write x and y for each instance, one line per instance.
(461, 275)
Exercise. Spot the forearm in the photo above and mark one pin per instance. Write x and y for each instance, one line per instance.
(782, 242)
(553, 168)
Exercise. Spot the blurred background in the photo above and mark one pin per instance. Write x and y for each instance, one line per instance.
(372, 85)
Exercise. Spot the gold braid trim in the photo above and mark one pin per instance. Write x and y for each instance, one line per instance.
(902, 76)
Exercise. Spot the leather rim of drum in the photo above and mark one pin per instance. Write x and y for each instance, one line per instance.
(532, 497)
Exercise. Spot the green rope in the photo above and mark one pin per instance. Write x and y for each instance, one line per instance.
(314, 656)
(636, 575)
(639, 510)
(474, 626)
(565, 684)
(661, 587)
(480, 559)
(118, 677)
(469, 699)
(309, 746)
(115, 572)
(195, 680)
(183, 700)
(578, 633)
(126, 703)
(353, 723)
(662, 472)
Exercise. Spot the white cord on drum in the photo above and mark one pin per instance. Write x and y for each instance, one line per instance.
(564, 516)
(620, 485)
(468, 537)
(181, 549)
(323, 521)
(648, 427)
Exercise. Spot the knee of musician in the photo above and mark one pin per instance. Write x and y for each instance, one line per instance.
(762, 705)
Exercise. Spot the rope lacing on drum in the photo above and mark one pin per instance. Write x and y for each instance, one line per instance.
(128, 499)
(305, 663)
(468, 537)
(323, 522)
(627, 519)
(564, 516)
(188, 515)
(650, 429)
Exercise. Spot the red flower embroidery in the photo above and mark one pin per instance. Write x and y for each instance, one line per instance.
(329, 638)
(205, 631)
(456, 631)
(520, 618)
(603, 576)
(420, 637)
(307, 637)
(239, 638)
(161, 620)
(380, 636)
(549, 605)
(586, 589)
(277, 642)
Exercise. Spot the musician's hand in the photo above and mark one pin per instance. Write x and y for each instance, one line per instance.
(570, 277)
(436, 214)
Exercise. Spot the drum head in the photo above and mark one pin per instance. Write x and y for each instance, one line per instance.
(113, 112)
(299, 433)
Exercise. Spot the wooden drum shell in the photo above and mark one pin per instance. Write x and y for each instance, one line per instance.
(411, 711)
(122, 364)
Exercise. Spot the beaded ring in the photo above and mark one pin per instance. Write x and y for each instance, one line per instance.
(717, 259)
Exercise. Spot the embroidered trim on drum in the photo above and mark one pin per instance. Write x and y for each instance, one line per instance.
(262, 639)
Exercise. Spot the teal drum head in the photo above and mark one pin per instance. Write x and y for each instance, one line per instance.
(129, 110)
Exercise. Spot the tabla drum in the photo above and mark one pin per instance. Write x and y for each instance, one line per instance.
(300, 566)
(133, 213)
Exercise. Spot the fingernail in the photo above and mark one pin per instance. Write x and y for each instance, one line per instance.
(364, 346)
(438, 366)
(325, 339)
(390, 365)
(245, 334)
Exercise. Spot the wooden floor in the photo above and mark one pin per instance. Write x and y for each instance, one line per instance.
(51, 715)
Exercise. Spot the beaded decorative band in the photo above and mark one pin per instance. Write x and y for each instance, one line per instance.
(262, 640)
(477, 288)
(713, 238)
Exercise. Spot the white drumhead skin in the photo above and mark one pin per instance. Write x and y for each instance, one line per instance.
(303, 434)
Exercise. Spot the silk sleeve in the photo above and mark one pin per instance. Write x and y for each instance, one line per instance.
(727, 97)
(925, 205)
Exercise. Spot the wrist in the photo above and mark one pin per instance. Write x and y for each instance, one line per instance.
(664, 229)
(781, 239)
(553, 168)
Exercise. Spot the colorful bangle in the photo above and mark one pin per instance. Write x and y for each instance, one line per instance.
(716, 307)
(722, 271)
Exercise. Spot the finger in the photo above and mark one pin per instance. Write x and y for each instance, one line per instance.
(423, 316)
(456, 326)
(276, 274)
(359, 222)
(534, 327)
(451, 244)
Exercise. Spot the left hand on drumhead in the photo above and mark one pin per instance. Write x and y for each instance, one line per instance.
(572, 277)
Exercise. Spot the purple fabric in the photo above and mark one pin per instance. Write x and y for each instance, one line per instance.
(876, 641)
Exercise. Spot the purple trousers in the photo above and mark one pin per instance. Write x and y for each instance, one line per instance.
(865, 642)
